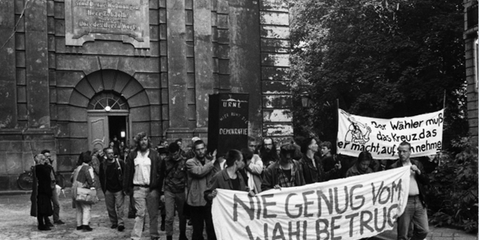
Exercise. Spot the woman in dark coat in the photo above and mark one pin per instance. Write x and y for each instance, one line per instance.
(45, 186)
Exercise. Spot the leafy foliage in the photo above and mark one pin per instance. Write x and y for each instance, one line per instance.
(453, 193)
(389, 58)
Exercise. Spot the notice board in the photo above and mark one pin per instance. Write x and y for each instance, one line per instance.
(227, 122)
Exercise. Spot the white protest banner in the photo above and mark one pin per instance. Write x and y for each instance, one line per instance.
(350, 208)
(381, 137)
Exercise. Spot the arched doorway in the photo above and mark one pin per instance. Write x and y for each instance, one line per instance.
(108, 120)
(104, 104)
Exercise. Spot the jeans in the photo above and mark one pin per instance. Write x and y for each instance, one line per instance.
(83, 213)
(56, 205)
(131, 207)
(114, 202)
(414, 213)
(145, 200)
(172, 199)
(199, 215)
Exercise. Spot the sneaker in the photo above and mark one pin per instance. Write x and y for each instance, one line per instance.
(121, 228)
(59, 222)
(79, 227)
(114, 226)
(87, 228)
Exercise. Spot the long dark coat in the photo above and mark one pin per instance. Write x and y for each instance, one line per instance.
(44, 189)
(33, 196)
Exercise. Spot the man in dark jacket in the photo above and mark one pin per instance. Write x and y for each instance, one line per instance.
(416, 210)
(175, 184)
(329, 161)
(111, 180)
(143, 176)
(55, 202)
(283, 173)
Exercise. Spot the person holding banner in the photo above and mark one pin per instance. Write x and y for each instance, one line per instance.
(416, 210)
(230, 177)
(311, 164)
(329, 161)
(283, 173)
(362, 166)
(253, 170)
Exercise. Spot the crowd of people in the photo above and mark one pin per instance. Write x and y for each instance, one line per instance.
(183, 183)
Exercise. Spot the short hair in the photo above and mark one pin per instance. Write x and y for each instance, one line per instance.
(251, 139)
(105, 149)
(232, 156)
(247, 154)
(405, 143)
(37, 158)
(364, 156)
(162, 150)
(139, 138)
(45, 151)
(305, 143)
(179, 140)
(173, 147)
(286, 149)
(326, 144)
(86, 157)
(198, 142)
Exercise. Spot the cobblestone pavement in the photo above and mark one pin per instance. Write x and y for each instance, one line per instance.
(16, 223)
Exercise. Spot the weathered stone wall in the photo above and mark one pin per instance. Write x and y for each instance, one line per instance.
(275, 44)
(196, 48)
(471, 64)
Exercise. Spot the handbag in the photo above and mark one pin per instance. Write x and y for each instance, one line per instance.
(86, 195)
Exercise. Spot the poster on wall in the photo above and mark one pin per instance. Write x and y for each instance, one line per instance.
(381, 137)
(227, 122)
(120, 20)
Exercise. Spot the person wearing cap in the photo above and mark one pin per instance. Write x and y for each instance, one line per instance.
(286, 172)
(175, 182)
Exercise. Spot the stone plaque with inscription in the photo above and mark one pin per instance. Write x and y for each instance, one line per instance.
(121, 20)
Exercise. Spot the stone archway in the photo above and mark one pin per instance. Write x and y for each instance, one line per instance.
(109, 80)
(97, 84)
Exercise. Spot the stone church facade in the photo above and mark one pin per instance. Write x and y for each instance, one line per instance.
(76, 73)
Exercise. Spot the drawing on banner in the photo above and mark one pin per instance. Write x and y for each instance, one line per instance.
(358, 132)
(381, 137)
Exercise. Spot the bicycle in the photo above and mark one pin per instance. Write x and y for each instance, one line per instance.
(25, 180)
